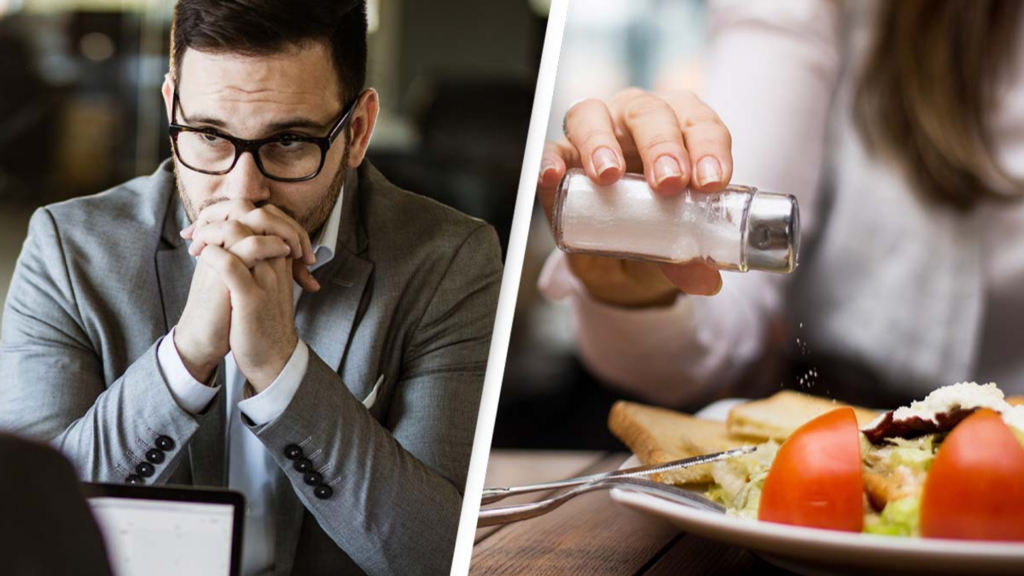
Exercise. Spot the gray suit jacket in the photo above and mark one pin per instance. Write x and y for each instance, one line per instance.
(410, 295)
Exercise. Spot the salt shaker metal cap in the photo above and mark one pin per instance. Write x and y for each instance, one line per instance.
(773, 232)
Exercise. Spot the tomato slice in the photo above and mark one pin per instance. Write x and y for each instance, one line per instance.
(975, 486)
(815, 479)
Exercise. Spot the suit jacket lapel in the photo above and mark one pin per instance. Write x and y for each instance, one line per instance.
(174, 273)
(325, 319)
(174, 268)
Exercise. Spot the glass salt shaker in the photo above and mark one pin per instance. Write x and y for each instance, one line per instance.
(737, 229)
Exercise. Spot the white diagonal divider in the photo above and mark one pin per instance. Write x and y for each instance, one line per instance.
(510, 285)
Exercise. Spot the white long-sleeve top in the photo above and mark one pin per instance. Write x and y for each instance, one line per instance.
(918, 292)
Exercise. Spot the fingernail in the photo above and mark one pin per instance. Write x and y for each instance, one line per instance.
(708, 171)
(718, 288)
(546, 168)
(605, 160)
(666, 167)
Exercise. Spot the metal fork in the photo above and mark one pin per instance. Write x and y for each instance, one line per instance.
(492, 495)
(517, 512)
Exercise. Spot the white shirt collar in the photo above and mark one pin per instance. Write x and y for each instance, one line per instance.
(325, 243)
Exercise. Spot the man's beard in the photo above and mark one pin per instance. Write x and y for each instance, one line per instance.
(313, 219)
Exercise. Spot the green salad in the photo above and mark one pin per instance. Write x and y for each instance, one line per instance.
(894, 474)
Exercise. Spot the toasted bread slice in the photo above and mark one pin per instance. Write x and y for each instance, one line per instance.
(1015, 400)
(657, 435)
(783, 412)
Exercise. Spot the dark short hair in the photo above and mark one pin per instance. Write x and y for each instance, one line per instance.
(262, 27)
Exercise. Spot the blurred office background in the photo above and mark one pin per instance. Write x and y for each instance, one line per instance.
(80, 108)
(548, 399)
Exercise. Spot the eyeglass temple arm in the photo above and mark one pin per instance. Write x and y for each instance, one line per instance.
(344, 119)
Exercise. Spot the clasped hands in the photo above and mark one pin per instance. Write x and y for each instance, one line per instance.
(241, 298)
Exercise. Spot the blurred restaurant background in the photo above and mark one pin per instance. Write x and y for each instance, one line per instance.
(80, 105)
(548, 399)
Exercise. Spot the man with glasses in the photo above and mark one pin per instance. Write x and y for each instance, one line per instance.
(266, 312)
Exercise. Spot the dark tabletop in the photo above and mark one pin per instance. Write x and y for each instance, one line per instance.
(591, 534)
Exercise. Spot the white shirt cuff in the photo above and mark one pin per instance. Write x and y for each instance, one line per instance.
(191, 394)
(272, 402)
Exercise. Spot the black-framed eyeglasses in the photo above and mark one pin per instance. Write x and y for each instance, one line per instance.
(285, 158)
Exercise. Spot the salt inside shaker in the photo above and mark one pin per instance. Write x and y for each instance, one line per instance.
(737, 229)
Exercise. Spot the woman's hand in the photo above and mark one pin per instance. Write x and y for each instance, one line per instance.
(677, 141)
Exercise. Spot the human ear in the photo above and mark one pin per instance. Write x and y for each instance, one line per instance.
(168, 92)
(364, 118)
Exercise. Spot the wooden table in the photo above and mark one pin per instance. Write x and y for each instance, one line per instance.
(591, 534)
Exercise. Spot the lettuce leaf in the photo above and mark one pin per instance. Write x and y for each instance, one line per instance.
(738, 481)
(917, 453)
(899, 518)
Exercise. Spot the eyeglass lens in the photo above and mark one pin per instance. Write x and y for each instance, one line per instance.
(209, 153)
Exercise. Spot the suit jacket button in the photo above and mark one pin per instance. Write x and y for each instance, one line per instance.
(165, 443)
(312, 478)
(292, 452)
(155, 456)
(302, 465)
(145, 469)
(133, 479)
(323, 492)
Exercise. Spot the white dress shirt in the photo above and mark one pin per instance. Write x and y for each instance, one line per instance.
(922, 294)
(251, 469)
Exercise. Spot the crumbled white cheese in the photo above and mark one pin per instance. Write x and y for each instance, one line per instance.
(1014, 416)
(966, 396)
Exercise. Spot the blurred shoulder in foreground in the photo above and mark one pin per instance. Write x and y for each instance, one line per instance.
(45, 524)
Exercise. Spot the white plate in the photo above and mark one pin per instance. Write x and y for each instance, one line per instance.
(817, 552)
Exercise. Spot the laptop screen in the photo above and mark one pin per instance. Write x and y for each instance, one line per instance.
(164, 537)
